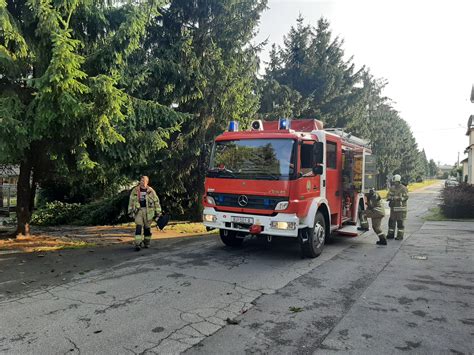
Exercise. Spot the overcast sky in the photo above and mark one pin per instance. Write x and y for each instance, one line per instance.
(425, 49)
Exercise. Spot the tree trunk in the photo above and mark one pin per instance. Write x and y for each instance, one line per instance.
(23, 204)
(1, 192)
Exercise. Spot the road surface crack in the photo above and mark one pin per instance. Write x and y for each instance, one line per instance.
(73, 344)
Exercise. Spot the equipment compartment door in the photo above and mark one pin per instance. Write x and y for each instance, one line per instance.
(370, 172)
(334, 180)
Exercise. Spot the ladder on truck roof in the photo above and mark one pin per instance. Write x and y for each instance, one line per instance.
(348, 137)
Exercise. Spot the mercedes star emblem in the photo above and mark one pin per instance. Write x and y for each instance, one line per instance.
(243, 200)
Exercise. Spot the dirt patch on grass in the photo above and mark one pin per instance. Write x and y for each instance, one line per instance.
(72, 237)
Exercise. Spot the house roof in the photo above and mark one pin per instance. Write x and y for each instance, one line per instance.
(464, 160)
(470, 124)
(9, 171)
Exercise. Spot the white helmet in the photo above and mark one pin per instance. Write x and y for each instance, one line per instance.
(397, 178)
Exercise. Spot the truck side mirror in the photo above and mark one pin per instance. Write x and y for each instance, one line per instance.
(318, 170)
(318, 153)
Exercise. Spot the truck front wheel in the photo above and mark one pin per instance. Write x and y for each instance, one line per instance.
(313, 247)
(229, 238)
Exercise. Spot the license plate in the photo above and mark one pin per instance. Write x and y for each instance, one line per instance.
(244, 220)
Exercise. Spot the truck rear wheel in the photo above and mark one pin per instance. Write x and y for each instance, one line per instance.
(230, 238)
(316, 237)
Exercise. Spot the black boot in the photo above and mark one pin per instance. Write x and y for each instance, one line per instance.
(381, 242)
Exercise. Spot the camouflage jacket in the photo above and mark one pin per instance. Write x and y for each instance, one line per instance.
(397, 198)
(153, 206)
(374, 204)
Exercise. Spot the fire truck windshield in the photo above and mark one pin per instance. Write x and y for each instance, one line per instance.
(265, 159)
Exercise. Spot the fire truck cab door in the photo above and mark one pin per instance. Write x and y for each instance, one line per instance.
(334, 179)
(308, 183)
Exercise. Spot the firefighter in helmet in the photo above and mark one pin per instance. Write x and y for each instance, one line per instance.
(397, 200)
(143, 206)
(376, 212)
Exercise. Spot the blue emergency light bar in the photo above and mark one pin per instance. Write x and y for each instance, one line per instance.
(284, 123)
(233, 126)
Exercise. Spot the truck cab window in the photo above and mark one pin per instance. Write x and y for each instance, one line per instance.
(306, 158)
(331, 155)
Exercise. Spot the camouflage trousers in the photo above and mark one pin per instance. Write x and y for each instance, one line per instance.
(397, 224)
(141, 220)
(376, 222)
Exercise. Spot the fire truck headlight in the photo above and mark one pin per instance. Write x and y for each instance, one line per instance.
(210, 200)
(209, 218)
(283, 225)
(283, 205)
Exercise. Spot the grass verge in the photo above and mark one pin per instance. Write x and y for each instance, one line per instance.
(42, 244)
(185, 228)
(412, 187)
(435, 214)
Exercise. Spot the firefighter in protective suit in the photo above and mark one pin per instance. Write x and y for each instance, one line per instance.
(143, 206)
(397, 200)
(376, 212)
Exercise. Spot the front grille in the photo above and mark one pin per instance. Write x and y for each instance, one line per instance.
(254, 202)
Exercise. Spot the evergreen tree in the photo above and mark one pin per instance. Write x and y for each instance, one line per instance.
(63, 97)
(433, 168)
(309, 78)
(203, 62)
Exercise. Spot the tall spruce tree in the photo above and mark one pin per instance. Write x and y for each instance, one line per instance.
(62, 89)
(203, 63)
(310, 70)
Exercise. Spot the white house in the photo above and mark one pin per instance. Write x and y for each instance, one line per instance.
(470, 151)
(464, 170)
(470, 148)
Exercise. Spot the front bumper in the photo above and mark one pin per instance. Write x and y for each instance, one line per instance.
(223, 220)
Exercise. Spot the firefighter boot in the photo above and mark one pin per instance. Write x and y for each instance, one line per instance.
(138, 244)
(382, 240)
(391, 228)
(399, 235)
(401, 230)
(364, 222)
(138, 237)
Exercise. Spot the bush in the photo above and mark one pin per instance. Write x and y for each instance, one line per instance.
(107, 211)
(111, 210)
(458, 201)
(56, 212)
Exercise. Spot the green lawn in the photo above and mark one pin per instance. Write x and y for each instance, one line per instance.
(412, 187)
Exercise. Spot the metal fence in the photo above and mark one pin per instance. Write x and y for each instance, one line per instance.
(8, 198)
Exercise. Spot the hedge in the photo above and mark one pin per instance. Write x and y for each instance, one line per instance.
(458, 201)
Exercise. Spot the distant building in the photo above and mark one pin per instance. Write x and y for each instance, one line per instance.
(444, 171)
(8, 179)
(9, 174)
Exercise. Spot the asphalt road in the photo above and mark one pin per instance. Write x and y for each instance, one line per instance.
(195, 295)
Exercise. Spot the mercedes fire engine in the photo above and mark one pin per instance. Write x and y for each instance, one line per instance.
(287, 178)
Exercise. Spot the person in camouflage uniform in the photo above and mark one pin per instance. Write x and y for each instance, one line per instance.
(143, 206)
(376, 212)
(397, 200)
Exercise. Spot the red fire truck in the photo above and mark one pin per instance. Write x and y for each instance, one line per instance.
(287, 178)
